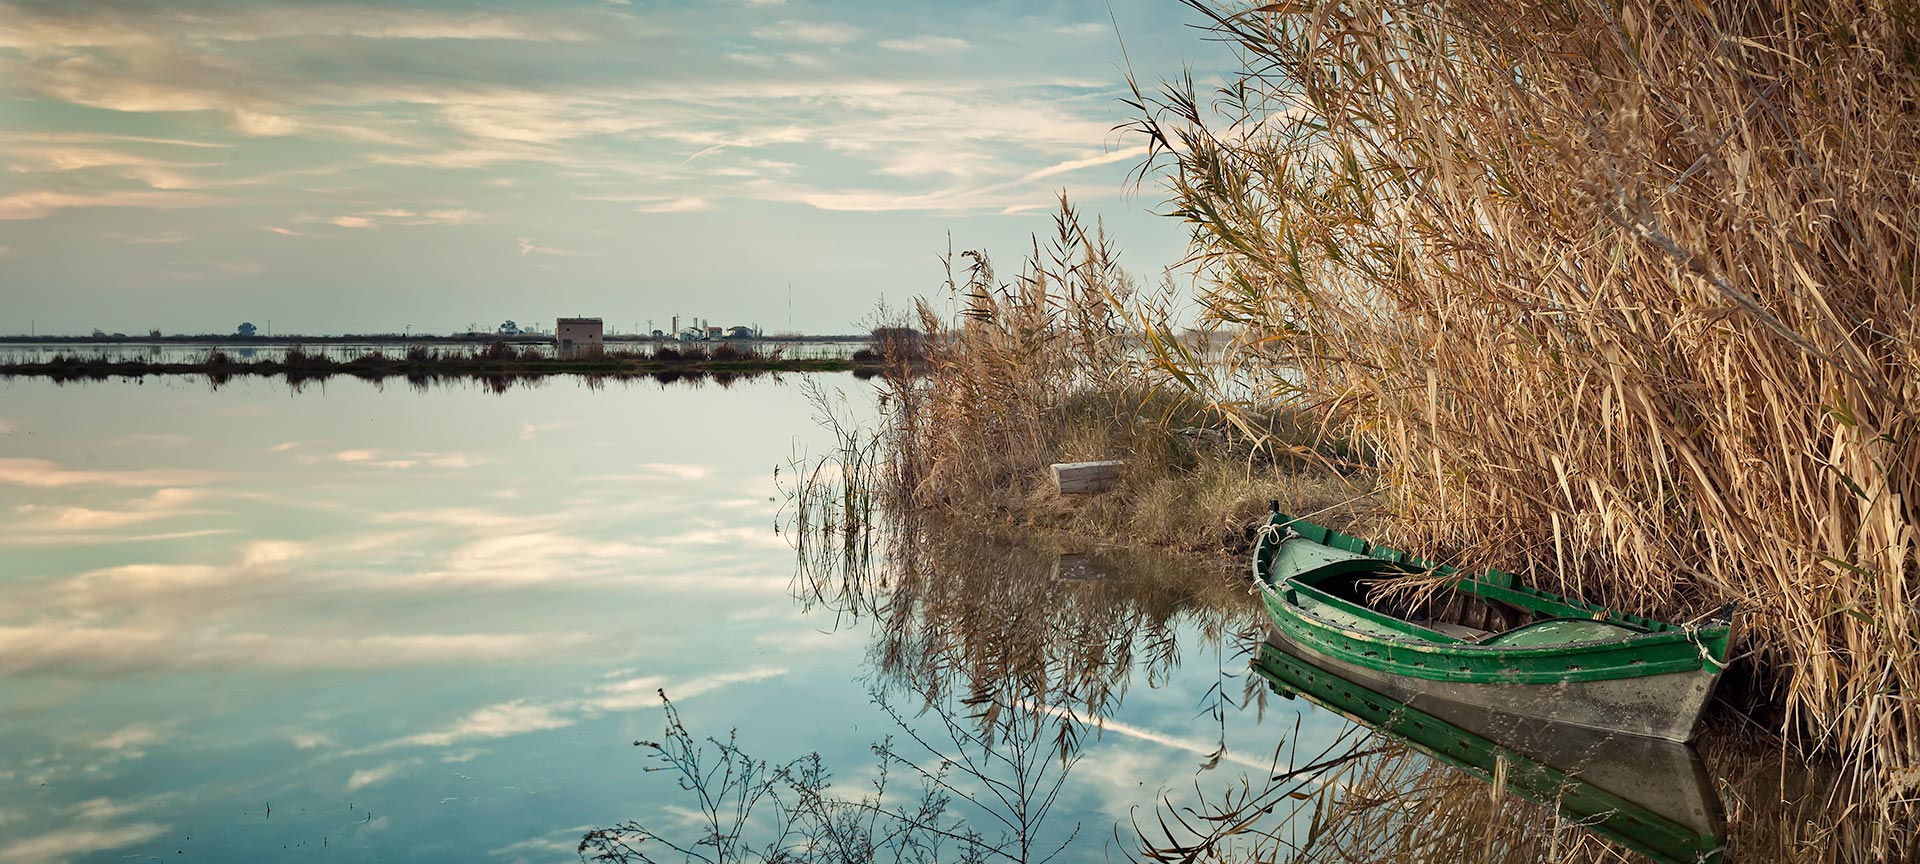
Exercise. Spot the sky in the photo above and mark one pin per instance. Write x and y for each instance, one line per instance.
(337, 167)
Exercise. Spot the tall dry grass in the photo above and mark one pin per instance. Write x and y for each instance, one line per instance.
(1620, 292)
(1013, 375)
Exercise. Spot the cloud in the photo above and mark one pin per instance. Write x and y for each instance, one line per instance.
(75, 841)
(130, 741)
(490, 722)
(400, 461)
(677, 205)
(387, 216)
(157, 172)
(530, 429)
(676, 470)
(81, 540)
(448, 217)
(311, 740)
(288, 232)
(47, 517)
(830, 33)
(760, 61)
(42, 473)
(1084, 28)
(644, 692)
(48, 26)
(369, 776)
(1152, 737)
(927, 44)
(38, 205)
(514, 556)
(1121, 155)
(528, 247)
(520, 716)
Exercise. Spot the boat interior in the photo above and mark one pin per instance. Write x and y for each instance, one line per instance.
(1463, 615)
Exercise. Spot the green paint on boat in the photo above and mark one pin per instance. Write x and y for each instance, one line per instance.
(1316, 589)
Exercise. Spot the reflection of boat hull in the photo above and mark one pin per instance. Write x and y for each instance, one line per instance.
(1650, 795)
(1490, 642)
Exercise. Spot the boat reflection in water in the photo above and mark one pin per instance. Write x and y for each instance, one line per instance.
(1650, 795)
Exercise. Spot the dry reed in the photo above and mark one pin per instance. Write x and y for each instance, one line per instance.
(1620, 293)
(1049, 367)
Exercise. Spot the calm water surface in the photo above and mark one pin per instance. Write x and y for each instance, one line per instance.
(356, 623)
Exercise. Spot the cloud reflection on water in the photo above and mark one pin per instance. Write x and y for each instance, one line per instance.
(466, 651)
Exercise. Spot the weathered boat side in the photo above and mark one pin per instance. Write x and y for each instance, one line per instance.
(1578, 663)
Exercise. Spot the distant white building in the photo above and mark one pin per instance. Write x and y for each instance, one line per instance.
(577, 337)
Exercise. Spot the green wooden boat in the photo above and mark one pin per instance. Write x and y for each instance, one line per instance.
(1652, 796)
(1487, 642)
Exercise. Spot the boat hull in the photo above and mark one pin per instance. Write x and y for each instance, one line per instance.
(1666, 706)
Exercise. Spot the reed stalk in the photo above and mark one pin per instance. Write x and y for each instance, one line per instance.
(1621, 294)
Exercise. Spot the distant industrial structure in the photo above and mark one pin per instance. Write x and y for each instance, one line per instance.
(703, 330)
(575, 337)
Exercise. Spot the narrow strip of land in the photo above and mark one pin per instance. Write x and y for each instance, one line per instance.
(380, 366)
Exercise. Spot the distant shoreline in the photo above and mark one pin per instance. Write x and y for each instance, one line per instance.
(452, 339)
(497, 360)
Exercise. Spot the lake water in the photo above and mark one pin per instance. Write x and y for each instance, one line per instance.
(374, 624)
(429, 623)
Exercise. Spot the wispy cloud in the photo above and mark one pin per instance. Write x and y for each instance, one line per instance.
(528, 247)
(812, 32)
(404, 460)
(676, 205)
(43, 473)
(928, 44)
(66, 844)
(38, 205)
(490, 722)
(369, 776)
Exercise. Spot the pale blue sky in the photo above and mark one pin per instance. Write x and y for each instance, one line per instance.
(359, 166)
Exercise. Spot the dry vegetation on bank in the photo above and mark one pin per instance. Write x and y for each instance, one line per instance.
(1048, 367)
(1620, 293)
